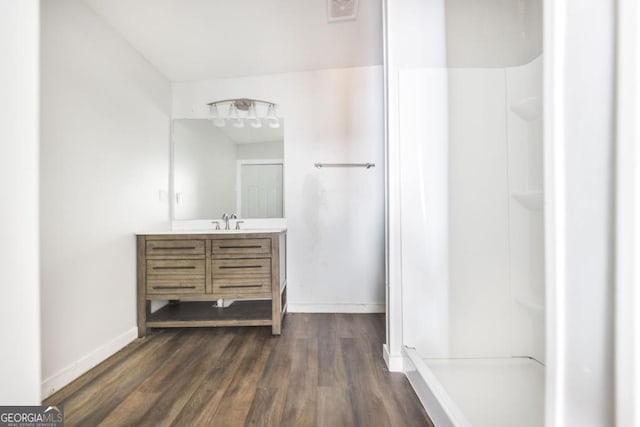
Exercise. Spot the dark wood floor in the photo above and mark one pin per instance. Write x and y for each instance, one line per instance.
(325, 370)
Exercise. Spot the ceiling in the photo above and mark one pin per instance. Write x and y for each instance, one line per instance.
(204, 39)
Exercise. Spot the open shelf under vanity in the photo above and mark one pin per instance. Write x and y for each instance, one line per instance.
(206, 313)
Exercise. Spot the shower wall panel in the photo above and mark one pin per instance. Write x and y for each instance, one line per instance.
(424, 151)
(471, 198)
(480, 298)
(454, 200)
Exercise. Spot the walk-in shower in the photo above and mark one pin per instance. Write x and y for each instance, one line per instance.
(471, 214)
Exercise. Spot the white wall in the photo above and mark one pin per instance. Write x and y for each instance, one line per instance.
(261, 150)
(204, 170)
(19, 258)
(493, 33)
(104, 159)
(335, 217)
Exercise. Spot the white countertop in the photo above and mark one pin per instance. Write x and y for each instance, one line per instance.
(213, 231)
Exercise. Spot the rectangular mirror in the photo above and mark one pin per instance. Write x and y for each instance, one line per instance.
(227, 169)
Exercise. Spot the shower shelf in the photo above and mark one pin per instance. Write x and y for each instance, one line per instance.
(532, 200)
(529, 108)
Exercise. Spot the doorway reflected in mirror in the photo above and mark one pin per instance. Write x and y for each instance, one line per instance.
(220, 170)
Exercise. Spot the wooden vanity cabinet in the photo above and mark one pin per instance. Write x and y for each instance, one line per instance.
(192, 271)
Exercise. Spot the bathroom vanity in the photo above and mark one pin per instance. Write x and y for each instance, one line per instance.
(192, 270)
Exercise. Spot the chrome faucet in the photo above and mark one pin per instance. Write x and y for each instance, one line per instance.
(226, 219)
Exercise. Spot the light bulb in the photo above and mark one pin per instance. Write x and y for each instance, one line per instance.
(213, 111)
(233, 111)
(254, 121)
(215, 116)
(272, 120)
(274, 123)
(236, 121)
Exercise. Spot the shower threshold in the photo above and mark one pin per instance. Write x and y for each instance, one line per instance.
(492, 392)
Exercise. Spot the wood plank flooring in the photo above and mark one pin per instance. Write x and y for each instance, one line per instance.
(324, 370)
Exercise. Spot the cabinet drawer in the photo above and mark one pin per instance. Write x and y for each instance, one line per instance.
(237, 277)
(239, 247)
(241, 267)
(183, 267)
(231, 287)
(173, 285)
(173, 248)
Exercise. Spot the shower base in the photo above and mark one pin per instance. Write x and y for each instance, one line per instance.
(480, 392)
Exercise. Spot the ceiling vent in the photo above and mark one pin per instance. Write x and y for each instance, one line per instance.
(342, 10)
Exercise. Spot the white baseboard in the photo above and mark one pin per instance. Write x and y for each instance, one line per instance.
(307, 307)
(66, 375)
(394, 363)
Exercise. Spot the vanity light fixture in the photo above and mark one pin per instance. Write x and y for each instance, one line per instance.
(244, 110)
